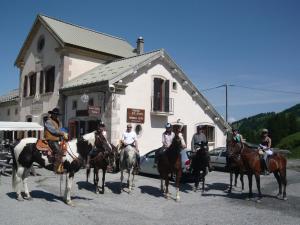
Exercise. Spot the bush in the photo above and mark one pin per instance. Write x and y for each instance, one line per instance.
(292, 143)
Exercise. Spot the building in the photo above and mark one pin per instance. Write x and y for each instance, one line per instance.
(91, 76)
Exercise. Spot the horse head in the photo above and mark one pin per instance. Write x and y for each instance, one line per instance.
(234, 148)
(176, 145)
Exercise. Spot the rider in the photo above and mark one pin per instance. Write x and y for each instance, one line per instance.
(177, 131)
(100, 131)
(167, 138)
(236, 136)
(265, 145)
(129, 138)
(52, 135)
(199, 137)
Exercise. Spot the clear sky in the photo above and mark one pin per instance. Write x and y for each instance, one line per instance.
(252, 43)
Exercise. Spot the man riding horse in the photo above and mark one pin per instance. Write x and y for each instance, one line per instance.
(100, 133)
(53, 135)
(129, 138)
(198, 138)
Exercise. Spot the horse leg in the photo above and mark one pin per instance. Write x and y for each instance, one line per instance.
(167, 187)
(128, 181)
(122, 177)
(88, 174)
(69, 182)
(96, 179)
(17, 180)
(257, 178)
(196, 179)
(277, 176)
(235, 178)
(177, 185)
(161, 185)
(26, 190)
(203, 185)
(283, 181)
(250, 195)
(103, 180)
(242, 180)
(230, 185)
(132, 180)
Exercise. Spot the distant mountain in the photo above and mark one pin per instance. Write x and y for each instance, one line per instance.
(280, 125)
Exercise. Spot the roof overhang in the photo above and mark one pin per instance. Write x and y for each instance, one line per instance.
(19, 126)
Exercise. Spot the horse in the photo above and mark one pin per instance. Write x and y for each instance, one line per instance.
(26, 152)
(105, 156)
(128, 163)
(170, 162)
(235, 166)
(252, 165)
(199, 164)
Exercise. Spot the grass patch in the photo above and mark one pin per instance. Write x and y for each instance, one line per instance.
(295, 153)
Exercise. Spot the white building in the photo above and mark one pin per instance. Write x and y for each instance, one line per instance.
(92, 76)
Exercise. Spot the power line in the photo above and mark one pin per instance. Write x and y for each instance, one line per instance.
(252, 88)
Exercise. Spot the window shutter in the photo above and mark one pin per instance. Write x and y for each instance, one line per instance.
(167, 96)
(156, 94)
(25, 86)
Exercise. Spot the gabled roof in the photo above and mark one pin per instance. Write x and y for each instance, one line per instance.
(74, 35)
(117, 70)
(112, 71)
(10, 96)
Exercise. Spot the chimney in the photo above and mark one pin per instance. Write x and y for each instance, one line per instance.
(140, 46)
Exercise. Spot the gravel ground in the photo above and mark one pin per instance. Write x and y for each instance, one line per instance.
(146, 205)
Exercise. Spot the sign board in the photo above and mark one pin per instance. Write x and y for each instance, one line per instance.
(135, 115)
(94, 111)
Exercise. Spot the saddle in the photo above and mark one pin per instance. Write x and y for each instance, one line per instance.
(43, 146)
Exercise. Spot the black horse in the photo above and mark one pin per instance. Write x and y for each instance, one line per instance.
(199, 165)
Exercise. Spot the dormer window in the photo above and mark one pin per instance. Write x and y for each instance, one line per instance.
(41, 43)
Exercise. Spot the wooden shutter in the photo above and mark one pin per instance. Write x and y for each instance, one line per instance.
(156, 94)
(167, 96)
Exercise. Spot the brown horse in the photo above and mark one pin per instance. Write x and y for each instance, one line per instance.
(252, 165)
(105, 156)
(235, 166)
(170, 162)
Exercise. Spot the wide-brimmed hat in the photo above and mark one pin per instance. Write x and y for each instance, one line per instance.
(54, 111)
(265, 130)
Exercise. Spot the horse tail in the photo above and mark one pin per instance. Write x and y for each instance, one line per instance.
(15, 179)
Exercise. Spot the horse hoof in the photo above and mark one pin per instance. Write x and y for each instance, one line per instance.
(258, 200)
(29, 198)
(177, 199)
(70, 203)
(195, 189)
(285, 198)
(19, 198)
(278, 196)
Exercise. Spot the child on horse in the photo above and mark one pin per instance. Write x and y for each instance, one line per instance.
(265, 146)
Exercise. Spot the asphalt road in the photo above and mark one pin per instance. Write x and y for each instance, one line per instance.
(146, 205)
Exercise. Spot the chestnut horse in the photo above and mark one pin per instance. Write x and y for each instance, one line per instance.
(199, 164)
(170, 162)
(104, 157)
(252, 165)
(235, 166)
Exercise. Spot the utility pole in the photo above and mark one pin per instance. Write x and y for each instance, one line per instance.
(226, 86)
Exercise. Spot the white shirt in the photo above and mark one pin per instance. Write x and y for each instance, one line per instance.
(129, 137)
(167, 139)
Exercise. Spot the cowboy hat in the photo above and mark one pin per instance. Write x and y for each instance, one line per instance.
(54, 111)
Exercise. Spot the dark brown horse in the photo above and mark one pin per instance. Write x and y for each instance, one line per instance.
(105, 156)
(199, 164)
(170, 162)
(252, 166)
(235, 166)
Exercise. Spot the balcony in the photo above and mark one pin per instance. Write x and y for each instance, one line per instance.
(162, 106)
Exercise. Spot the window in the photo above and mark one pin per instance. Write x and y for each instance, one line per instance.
(209, 132)
(138, 129)
(8, 112)
(25, 86)
(161, 100)
(174, 86)
(41, 43)
(16, 111)
(41, 82)
(91, 102)
(32, 84)
(49, 79)
(74, 104)
(151, 155)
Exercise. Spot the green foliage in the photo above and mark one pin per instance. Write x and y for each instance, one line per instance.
(279, 125)
(290, 142)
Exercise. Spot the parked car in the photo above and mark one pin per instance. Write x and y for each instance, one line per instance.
(218, 158)
(147, 162)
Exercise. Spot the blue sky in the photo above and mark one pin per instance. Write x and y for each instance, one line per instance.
(254, 43)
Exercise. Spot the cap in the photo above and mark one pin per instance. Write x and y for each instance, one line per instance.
(54, 111)
(168, 125)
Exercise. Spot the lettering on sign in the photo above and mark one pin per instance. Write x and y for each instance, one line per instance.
(94, 111)
(135, 115)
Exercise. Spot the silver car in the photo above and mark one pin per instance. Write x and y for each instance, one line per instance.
(147, 162)
(218, 157)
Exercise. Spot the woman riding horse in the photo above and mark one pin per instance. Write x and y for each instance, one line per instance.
(170, 162)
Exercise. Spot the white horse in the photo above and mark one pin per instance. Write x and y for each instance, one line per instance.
(128, 163)
(25, 153)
